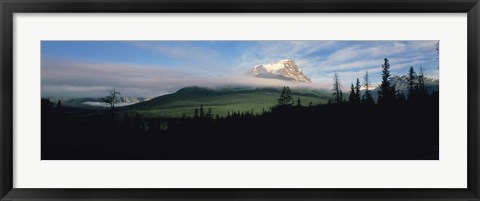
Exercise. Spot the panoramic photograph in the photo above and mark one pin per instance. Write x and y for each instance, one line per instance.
(240, 100)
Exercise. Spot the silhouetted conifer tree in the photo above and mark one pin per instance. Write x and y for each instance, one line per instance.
(386, 93)
(357, 91)
(286, 97)
(352, 96)
(412, 85)
(337, 89)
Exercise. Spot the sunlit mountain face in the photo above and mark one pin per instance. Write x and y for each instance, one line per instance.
(282, 70)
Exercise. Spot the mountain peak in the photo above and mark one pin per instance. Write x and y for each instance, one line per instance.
(284, 69)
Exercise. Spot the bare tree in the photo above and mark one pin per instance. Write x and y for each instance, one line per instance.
(111, 99)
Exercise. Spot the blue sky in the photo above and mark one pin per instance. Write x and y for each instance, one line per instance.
(152, 68)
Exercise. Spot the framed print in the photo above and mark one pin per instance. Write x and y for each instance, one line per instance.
(165, 113)
(195, 100)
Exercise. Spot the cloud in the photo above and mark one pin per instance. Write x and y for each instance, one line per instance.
(179, 50)
(319, 60)
(270, 51)
(186, 54)
(83, 78)
(69, 78)
(220, 64)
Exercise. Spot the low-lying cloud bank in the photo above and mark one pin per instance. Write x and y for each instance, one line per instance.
(88, 79)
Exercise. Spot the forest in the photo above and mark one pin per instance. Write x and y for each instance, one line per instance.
(351, 126)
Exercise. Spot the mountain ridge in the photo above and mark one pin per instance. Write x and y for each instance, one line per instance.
(222, 100)
(283, 70)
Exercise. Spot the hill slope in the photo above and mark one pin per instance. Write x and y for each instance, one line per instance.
(221, 101)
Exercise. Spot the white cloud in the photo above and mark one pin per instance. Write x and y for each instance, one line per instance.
(180, 50)
(67, 78)
(341, 56)
(207, 67)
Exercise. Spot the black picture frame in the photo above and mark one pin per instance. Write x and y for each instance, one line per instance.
(9, 7)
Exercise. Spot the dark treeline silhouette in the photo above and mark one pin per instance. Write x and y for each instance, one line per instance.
(398, 127)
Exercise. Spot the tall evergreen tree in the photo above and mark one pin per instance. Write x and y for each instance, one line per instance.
(357, 91)
(386, 93)
(352, 96)
(412, 84)
(299, 103)
(367, 97)
(337, 89)
(286, 97)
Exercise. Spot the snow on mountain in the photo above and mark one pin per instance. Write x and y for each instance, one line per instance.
(401, 83)
(123, 101)
(283, 70)
(97, 102)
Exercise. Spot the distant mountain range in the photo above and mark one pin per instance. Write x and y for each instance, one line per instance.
(401, 83)
(92, 103)
(282, 70)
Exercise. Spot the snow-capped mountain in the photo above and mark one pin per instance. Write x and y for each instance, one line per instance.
(283, 70)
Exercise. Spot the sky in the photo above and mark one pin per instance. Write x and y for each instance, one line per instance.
(153, 68)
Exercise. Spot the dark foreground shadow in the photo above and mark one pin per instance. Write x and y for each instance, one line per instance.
(325, 132)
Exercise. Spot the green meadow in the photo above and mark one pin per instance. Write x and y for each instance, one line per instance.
(221, 101)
